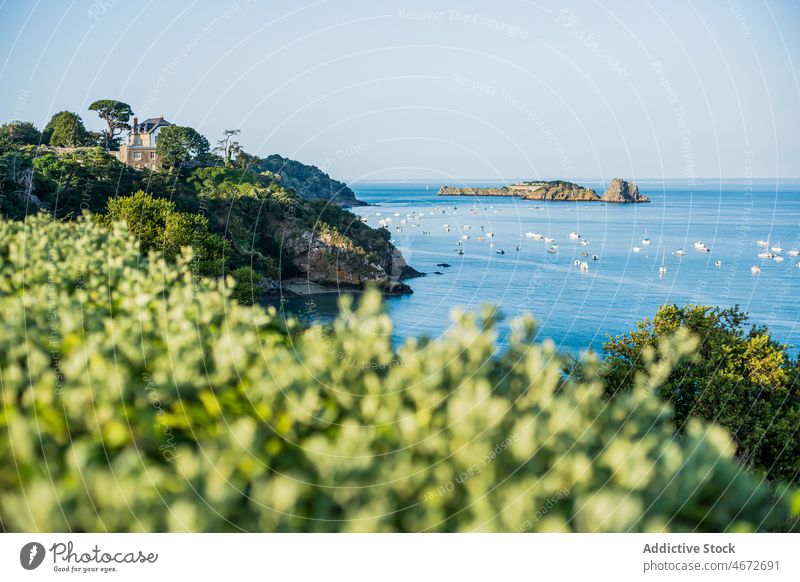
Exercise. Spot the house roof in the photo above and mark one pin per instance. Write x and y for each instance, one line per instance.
(149, 125)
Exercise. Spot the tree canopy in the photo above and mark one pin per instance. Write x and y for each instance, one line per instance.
(740, 378)
(310, 182)
(178, 145)
(66, 129)
(116, 114)
(17, 133)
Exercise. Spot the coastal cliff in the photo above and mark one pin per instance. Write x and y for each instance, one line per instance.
(331, 259)
(619, 191)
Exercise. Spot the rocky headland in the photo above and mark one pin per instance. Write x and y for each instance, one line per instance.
(332, 261)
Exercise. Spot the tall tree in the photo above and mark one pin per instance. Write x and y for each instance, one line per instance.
(227, 147)
(66, 129)
(116, 114)
(178, 145)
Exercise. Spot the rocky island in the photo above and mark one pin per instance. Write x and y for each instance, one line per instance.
(619, 191)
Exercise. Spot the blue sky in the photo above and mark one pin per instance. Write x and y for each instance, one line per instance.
(434, 89)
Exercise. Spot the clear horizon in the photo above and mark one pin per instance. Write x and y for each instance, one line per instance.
(434, 91)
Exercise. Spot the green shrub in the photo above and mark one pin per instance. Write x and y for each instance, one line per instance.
(157, 225)
(740, 378)
(248, 288)
(137, 397)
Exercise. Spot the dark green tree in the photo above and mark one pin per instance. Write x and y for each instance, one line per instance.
(246, 161)
(178, 145)
(116, 114)
(740, 378)
(18, 133)
(66, 129)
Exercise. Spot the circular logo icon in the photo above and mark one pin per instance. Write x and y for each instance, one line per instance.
(31, 555)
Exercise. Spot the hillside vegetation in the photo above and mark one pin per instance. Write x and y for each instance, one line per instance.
(309, 181)
(244, 220)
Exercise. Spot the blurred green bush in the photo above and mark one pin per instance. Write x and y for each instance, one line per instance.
(138, 398)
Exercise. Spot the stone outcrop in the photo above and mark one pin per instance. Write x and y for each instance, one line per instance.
(621, 192)
(330, 259)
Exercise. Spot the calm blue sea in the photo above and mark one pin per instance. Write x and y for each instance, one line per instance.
(578, 309)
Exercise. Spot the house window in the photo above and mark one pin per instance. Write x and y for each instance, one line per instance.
(152, 155)
(137, 155)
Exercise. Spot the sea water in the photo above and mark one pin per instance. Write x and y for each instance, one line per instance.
(578, 309)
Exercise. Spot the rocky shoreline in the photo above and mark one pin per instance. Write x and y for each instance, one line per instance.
(619, 191)
(299, 287)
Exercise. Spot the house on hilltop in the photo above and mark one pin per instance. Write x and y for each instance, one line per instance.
(139, 149)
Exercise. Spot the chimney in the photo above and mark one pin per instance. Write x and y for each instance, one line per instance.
(135, 124)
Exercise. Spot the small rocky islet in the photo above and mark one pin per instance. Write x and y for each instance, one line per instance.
(619, 191)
